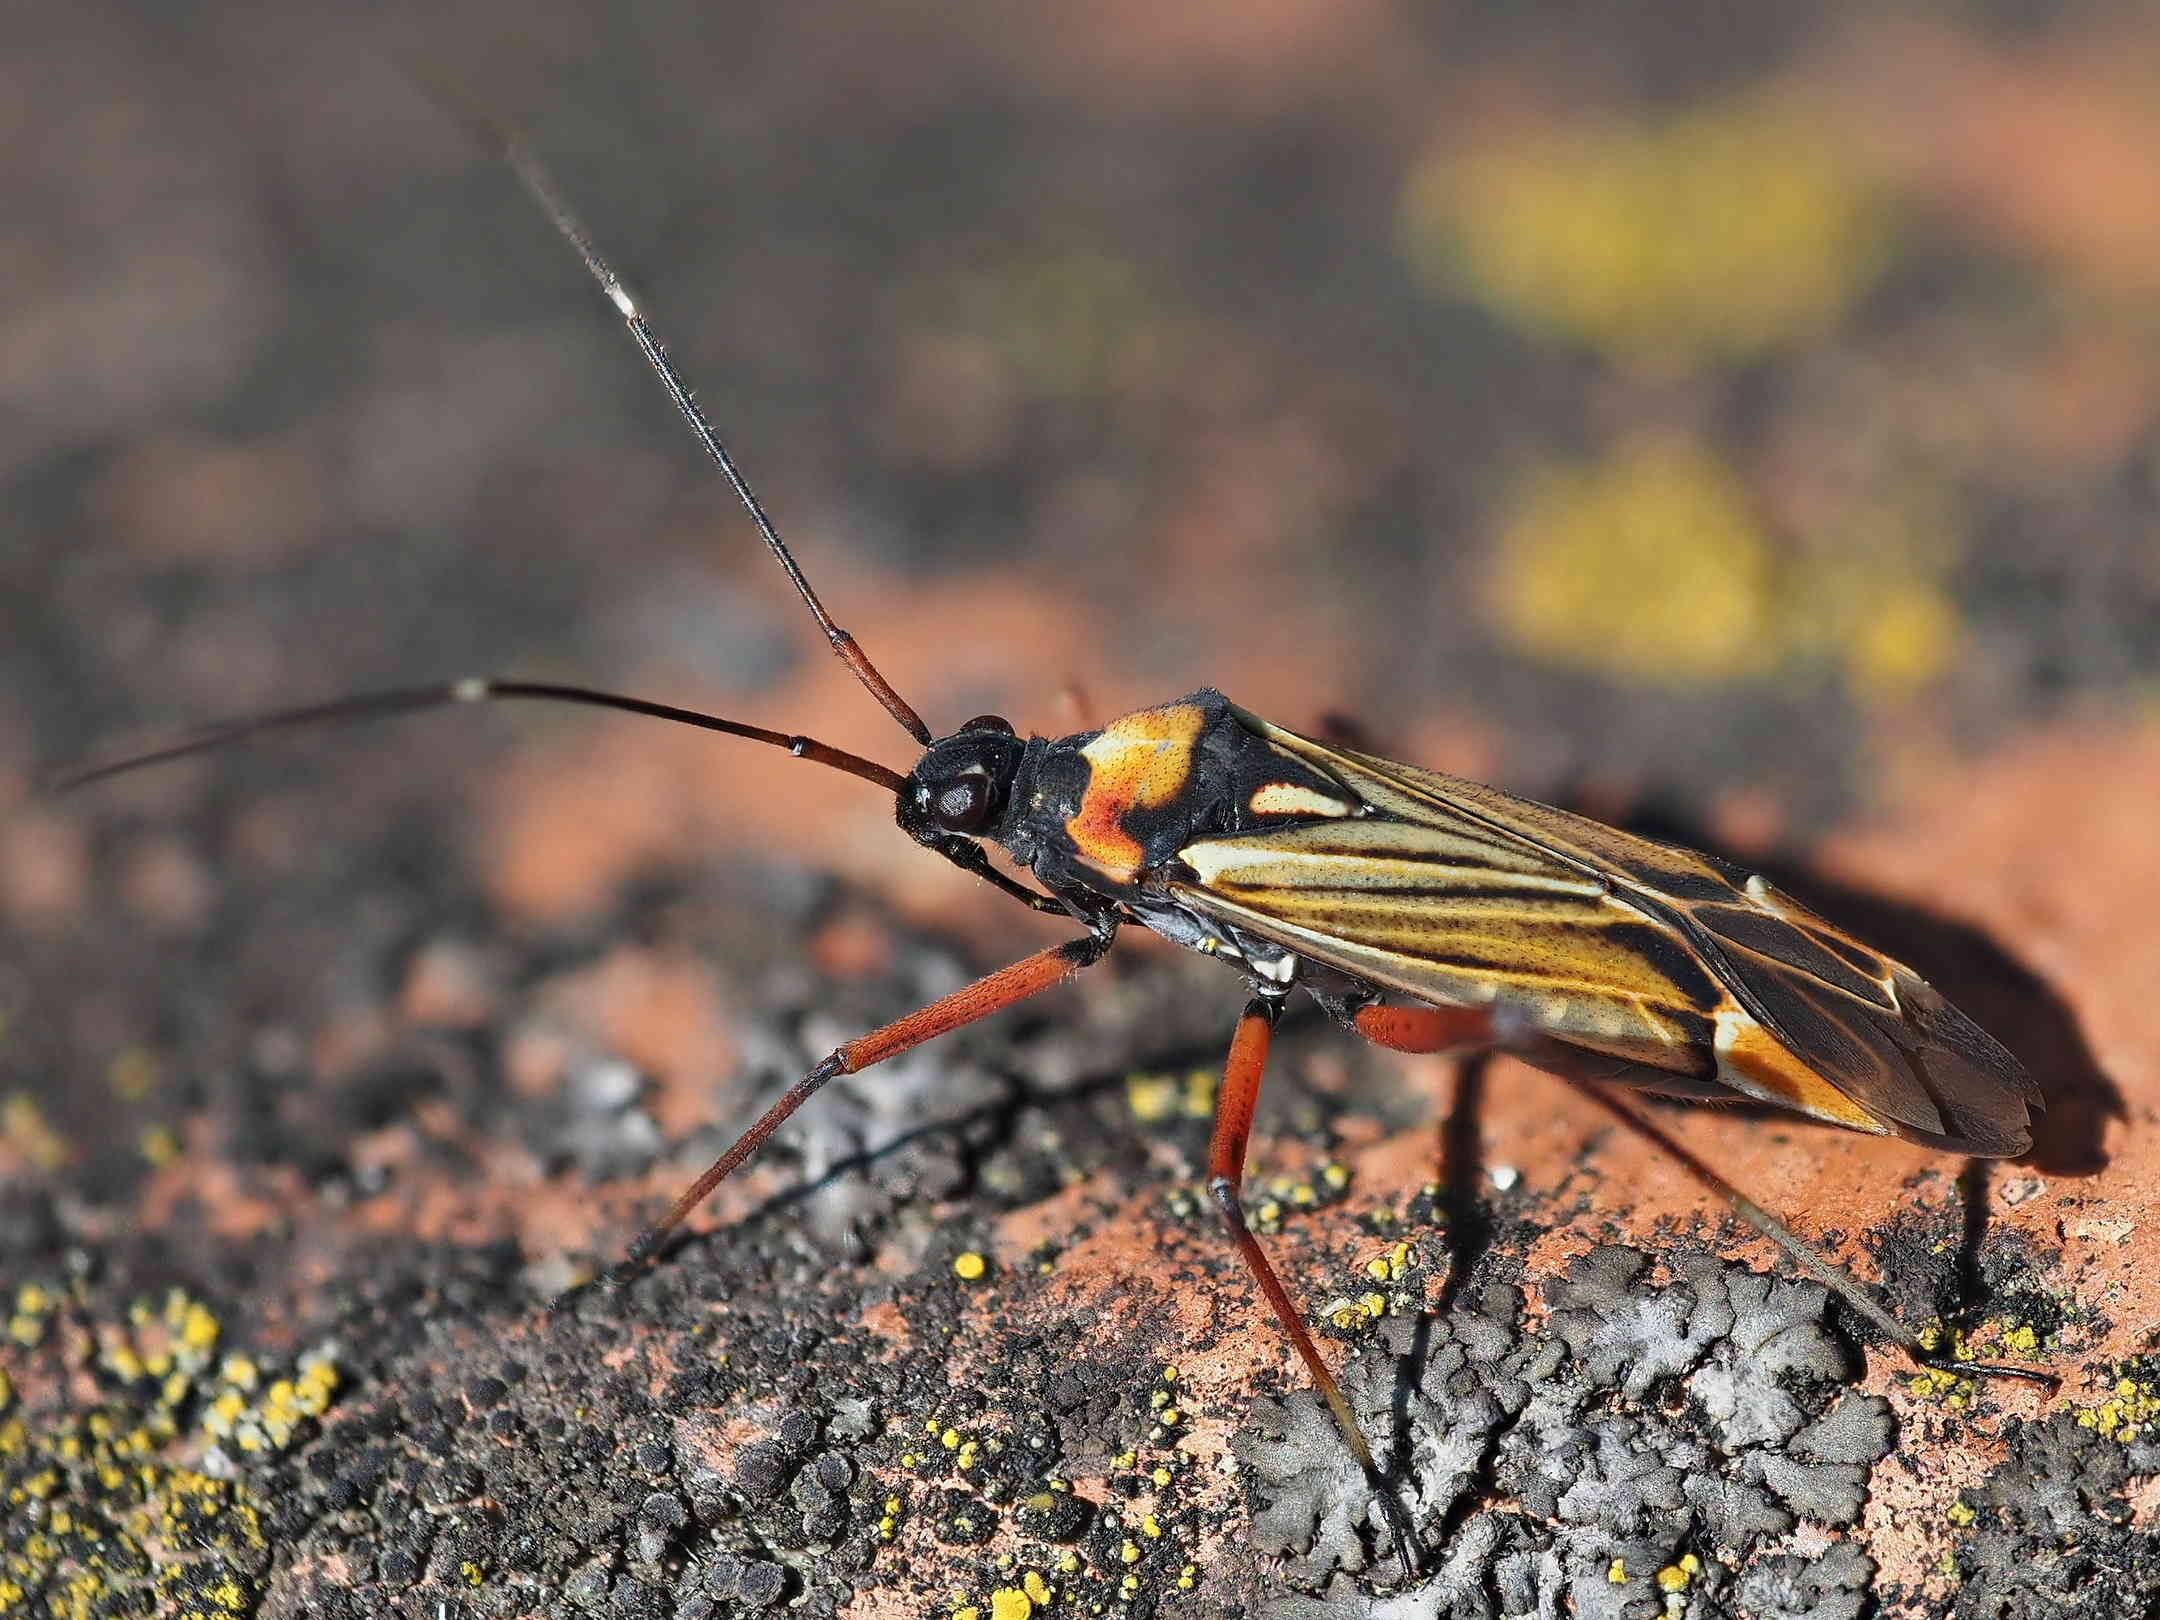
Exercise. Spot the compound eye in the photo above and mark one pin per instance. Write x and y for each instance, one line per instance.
(991, 722)
(962, 804)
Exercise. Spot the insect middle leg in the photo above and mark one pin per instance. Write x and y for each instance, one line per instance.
(992, 993)
(1234, 1106)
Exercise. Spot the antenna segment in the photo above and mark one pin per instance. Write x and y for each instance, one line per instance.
(533, 175)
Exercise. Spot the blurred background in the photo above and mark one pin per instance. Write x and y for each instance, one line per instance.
(1737, 408)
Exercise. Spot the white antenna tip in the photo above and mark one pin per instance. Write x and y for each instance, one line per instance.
(472, 689)
(622, 301)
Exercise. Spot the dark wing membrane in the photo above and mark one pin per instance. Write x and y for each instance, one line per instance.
(1455, 892)
(1896, 1047)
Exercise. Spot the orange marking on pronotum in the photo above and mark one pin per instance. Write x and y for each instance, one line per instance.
(1138, 763)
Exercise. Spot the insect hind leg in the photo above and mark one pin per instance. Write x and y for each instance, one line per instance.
(1423, 1029)
(1804, 1254)
(1443, 1029)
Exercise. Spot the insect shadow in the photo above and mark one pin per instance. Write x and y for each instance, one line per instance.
(1966, 963)
(981, 1131)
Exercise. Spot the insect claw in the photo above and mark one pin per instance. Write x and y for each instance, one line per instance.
(567, 1301)
(1990, 1369)
(611, 1281)
(1407, 1546)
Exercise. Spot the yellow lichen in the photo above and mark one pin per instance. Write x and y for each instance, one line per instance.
(1905, 639)
(1937, 1383)
(1151, 1097)
(1676, 1577)
(24, 1127)
(1651, 566)
(2128, 1412)
(118, 1475)
(1654, 564)
(1717, 234)
(133, 1073)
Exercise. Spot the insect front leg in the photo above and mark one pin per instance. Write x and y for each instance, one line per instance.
(1235, 1102)
(992, 993)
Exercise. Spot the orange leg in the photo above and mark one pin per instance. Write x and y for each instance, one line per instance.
(1239, 1096)
(1424, 1029)
(992, 993)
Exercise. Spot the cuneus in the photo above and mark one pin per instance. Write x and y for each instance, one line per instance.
(1426, 913)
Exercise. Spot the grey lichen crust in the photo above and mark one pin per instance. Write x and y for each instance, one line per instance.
(2055, 1531)
(1659, 1444)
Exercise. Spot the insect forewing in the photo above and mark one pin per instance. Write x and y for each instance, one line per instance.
(1456, 893)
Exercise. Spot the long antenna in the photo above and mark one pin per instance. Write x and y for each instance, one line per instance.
(964, 853)
(533, 175)
(474, 689)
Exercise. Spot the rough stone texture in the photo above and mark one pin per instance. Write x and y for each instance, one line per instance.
(807, 1406)
(1572, 1470)
(1126, 356)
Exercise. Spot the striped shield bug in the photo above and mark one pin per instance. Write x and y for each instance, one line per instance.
(1423, 912)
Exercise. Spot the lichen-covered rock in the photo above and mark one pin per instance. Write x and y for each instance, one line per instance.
(2054, 1527)
(1829, 1585)
(1658, 1438)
